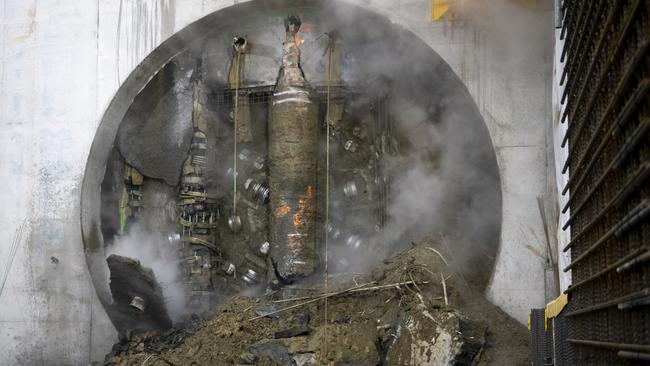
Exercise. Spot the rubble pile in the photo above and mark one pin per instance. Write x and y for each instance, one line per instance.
(410, 310)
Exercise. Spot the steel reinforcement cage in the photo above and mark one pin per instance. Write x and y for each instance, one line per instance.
(606, 104)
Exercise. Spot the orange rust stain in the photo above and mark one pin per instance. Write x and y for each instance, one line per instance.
(304, 202)
(297, 221)
(301, 216)
(282, 210)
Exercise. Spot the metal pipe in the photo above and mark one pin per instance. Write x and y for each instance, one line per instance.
(622, 119)
(611, 345)
(574, 36)
(632, 218)
(584, 35)
(293, 157)
(609, 268)
(634, 355)
(614, 10)
(644, 301)
(640, 212)
(607, 304)
(616, 162)
(632, 142)
(590, 105)
(601, 41)
(645, 257)
(568, 15)
(637, 179)
(604, 73)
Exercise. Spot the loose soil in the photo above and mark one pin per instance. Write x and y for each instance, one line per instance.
(360, 323)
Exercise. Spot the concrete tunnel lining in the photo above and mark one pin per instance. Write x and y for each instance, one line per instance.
(228, 19)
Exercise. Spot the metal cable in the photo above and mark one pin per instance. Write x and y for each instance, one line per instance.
(327, 180)
(234, 155)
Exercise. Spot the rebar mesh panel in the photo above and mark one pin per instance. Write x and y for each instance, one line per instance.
(607, 107)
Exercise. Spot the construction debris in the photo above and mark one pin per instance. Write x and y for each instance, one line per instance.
(395, 314)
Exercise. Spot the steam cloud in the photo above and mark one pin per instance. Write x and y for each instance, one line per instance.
(443, 181)
(156, 252)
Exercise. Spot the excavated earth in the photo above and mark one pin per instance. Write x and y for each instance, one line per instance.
(371, 320)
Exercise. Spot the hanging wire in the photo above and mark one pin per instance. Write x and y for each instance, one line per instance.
(327, 180)
(234, 156)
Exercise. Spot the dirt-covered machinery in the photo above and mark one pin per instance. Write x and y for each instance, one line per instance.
(270, 146)
(249, 208)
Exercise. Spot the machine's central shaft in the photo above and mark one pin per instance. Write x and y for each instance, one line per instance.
(293, 155)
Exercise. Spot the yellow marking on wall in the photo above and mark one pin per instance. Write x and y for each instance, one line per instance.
(439, 8)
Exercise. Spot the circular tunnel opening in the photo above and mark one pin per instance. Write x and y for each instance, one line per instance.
(184, 156)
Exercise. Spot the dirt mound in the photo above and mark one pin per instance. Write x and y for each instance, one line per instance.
(410, 310)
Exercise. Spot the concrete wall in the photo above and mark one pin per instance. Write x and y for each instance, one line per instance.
(61, 63)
